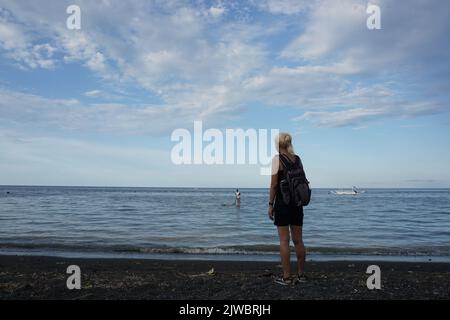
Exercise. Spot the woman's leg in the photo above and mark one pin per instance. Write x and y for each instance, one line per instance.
(283, 233)
(296, 232)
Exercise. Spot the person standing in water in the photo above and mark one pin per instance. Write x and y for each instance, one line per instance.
(238, 198)
(287, 217)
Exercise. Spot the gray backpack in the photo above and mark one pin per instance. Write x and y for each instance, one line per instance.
(295, 187)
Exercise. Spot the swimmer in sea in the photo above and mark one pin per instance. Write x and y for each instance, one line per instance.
(238, 198)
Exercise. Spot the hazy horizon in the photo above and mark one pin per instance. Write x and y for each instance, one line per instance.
(204, 187)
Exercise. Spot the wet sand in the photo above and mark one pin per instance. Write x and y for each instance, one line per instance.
(28, 277)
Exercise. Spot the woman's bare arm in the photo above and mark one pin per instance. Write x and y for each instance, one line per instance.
(273, 188)
(274, 179)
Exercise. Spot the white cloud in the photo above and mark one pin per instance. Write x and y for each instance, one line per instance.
(341, 118)
(24, 110)
(296, 87)
(360, 115)
(92, 93)
(337, 32)
(80, 47)
(216, 11)
(21, 49)
(340, 101)
(11, 37)
(330, 23)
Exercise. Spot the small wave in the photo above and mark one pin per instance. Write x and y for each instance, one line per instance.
(215, 250)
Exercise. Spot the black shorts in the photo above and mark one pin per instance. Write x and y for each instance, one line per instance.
(288, 216)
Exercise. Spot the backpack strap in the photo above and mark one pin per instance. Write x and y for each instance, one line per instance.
(299, 161)
(286, 163)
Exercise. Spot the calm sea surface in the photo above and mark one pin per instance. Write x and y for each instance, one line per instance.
(401, 222)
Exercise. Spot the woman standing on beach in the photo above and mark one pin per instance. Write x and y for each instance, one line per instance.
(287, 217)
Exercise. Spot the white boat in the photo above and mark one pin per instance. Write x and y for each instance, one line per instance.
(353, 191)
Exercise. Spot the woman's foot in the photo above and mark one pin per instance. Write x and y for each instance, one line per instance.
(284, 281)
(301, 277)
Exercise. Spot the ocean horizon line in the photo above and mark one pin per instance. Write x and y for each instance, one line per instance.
(205, 187)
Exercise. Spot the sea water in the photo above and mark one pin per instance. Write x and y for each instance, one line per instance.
(106, 221)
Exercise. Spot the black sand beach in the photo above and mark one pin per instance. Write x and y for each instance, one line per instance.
(28, 277)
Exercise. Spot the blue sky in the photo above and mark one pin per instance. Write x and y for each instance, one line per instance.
(97, 106)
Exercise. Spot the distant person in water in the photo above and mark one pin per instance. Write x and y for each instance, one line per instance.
(287, 217)
(238, 198)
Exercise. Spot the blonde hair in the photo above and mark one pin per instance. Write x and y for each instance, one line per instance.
(284, 141)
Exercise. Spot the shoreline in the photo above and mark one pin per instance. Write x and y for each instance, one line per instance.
(43, 277)
(250, 256)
